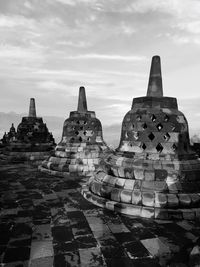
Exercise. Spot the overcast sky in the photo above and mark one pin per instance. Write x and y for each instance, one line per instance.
(48, 48)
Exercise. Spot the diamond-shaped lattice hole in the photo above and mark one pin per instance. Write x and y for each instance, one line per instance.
(159, 126)
(153, 117)
(144, 126)
(166, 136)
(76, 132)
(143, 146)
(151, 136)
(159, 148)
(166, 118)
(174, 147)
(138, 118)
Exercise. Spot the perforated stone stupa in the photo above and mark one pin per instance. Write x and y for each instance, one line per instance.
(31, 141)
(81, 146)
(153, 173)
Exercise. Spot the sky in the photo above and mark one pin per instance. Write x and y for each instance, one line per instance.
(49, 48)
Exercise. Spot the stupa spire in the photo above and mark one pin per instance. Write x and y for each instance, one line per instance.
(155, 78)
(82, 101)
(32, 109)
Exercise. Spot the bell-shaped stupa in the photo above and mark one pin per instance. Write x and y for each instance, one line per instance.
(81, 146)
(31, 141)
(154, 173)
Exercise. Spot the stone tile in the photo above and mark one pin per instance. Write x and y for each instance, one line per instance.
(15, 254)
(41, 249)
(86, 241)
(44, 262)
(136, 250)
(156, 247)
(61, 234)
(42, 232)
(71, 259)
(90, 257)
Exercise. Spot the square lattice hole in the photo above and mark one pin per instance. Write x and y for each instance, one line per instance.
(166, 136)
(159, 148)
(174, 147)
(151, 136)
(144, 126)
(159, 126)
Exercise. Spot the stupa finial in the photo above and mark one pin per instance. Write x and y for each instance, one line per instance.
(32, 109)
(82, 101)
(155, 79)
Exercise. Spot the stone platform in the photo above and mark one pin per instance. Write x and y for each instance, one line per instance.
(45, 221)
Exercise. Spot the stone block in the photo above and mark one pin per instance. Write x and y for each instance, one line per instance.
(129, 173)
(149, 175)
(160, 174)
(128, 209)
(147, 212)
(197, 212)
(126, 196)
(184, 200)
(188, 214)
(160, 200)
(120, 182)
(136, 197)
(115, 194)
(137, 184)
(161, 214)
(175, 214)
(129, 184)
(195, 198)
(148, 199)
(105, 191)
(121, 172)
(139, 174)
(172, 200)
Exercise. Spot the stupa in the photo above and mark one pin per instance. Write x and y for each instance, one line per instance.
(31, 141)
(153, 173)
(82, 145)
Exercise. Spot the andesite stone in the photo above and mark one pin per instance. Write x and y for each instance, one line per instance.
(154, 172)
(81, 147)
(32, 140)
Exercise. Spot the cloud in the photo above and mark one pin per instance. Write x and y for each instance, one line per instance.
(130, 58)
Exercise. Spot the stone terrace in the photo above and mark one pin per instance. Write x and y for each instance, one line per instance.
(45, 221)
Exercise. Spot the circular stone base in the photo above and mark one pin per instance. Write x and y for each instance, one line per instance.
(26, 156)
(141, 211)
(64, 174)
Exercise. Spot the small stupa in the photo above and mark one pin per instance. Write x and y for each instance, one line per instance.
(154, 173)
(81, 147)
(31, 141)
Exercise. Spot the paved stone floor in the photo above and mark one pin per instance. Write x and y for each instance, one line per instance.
(45, 221)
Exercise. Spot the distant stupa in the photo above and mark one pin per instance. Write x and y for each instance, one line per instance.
(31, 141)
(82, 145)
(153, 173)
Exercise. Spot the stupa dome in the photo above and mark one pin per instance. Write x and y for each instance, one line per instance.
(81, 145)
(154, 172)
